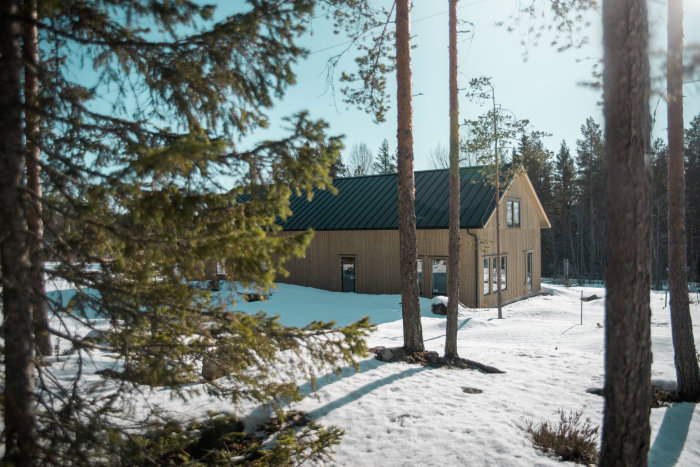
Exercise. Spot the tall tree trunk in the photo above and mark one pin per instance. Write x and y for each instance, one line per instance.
(591, 222)
(498, 210)
(627, 333)
(30, 44)
(454, 259)
(687, 373)
(18, 398)
(410, 306)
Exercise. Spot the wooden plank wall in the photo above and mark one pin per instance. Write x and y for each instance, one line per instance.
(376, 254)
(515, 243)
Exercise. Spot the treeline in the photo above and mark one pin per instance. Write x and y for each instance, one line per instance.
(361, 161)
(571, 188)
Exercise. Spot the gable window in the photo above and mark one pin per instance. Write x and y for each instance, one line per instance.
(513, 213)
(487, 276)
(439, 277)
(348, 273)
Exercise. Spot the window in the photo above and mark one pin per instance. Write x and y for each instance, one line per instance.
(439, 277)
(487, 272)
(420, 276)
(528, 271)
(348, 274)
(504, 273)
(494, 274)
(513, 215)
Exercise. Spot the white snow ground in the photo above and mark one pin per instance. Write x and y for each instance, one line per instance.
(400, 414)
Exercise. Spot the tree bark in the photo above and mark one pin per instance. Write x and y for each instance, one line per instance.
(30, 49)
(627, 327)
(687, 372)
(454, 259)
(498, 210)
(20, 423)
(410, 305)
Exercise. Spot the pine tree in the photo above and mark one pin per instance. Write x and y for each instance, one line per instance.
(591, 182)
(410, 305)
(659, 215)
(536, 161)
(564, 198)
(626, 88)
(685, 356)
(455, 191)
(386, 162)
(137, 197)
(692, 197)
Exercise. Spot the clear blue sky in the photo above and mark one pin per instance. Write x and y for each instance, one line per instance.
(546, 89)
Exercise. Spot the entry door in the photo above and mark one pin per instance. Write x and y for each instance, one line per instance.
(348, 271)
(528, 271)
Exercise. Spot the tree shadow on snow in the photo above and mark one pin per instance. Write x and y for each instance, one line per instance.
(358, 393)
(263, 412)
(672, 434)
(441, 336)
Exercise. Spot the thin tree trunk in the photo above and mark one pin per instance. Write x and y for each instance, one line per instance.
(30, 50)
(627, 325)
(454, 259)
(687, 373)
(410, 306)
(18, 398)
(591, 221)
(498, 210)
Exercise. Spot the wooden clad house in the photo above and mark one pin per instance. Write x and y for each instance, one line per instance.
(356, 243)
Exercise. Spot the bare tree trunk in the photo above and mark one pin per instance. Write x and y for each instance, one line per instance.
(591, 222)
(30, 50)
(454, 259)
(687, 373)
(410, 306)
(18, 398)
(498, 210)
(627, 333)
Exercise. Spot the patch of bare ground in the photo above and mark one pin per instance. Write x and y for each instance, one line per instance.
(659, 397)
(429, 358)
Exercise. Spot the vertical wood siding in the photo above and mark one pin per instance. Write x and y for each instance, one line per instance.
(515, 243)
(376, 254)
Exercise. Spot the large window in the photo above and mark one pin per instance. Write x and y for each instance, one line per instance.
(504, 273)
(439, 277)
(487, 276)
(494, 275)
(420, 276)
(528, 271)
(348, 272)
(513, 213)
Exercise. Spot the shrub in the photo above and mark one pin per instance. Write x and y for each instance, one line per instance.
(572, 439)
(220, 440)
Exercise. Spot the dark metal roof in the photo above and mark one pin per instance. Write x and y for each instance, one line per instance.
(371, 202)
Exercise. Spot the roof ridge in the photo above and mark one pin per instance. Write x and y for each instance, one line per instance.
(415, 172)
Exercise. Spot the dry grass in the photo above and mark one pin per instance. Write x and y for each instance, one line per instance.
(572, 439)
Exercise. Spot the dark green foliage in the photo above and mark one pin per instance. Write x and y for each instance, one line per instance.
(659, 214)
(220, 440)
(692, 197)
(573, 439)
(147, 181)
(386, 163)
